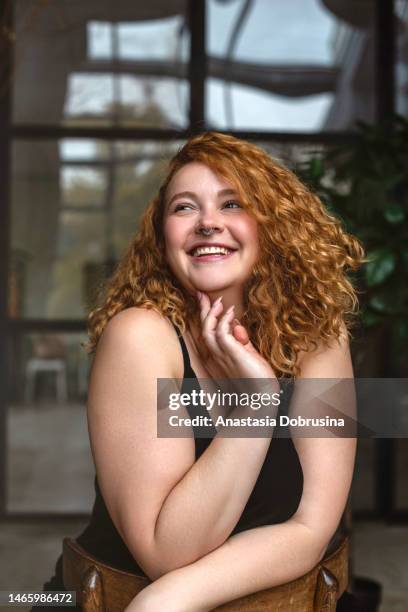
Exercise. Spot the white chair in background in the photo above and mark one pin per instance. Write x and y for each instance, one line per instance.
(48, 357)
(37, 365)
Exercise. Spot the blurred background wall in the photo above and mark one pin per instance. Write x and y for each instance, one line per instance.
(95, 96)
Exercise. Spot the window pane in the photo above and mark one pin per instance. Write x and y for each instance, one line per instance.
(84, 199)
(293, 154)
(401, 69)
(50, 465)
(82, 63)
(82, 186)
(273, 113)
(317, 76)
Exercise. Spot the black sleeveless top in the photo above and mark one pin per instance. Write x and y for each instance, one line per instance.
(274, 498)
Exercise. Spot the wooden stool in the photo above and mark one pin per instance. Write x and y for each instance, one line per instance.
(101, 588)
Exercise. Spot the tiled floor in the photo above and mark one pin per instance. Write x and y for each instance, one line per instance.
(50, 463)
(380, 552)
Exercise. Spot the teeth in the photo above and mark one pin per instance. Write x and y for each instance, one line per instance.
(210, 251)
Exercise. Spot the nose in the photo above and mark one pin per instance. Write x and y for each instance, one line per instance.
(209, 220)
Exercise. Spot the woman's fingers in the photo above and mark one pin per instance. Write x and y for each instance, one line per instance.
(208, 314)
(205, 305)
(228, 341)
(210, 323)
(231, 346)
(223, 330)
(239, 332)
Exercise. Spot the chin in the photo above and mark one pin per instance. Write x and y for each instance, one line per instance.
(211, 287)
(211, 281)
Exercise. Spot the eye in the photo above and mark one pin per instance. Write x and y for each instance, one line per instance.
(181, 207)
(232, 204)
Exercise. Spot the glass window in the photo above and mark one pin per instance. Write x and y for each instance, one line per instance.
(317, 76)
(401, 68)
(84, 199)
(129, 67)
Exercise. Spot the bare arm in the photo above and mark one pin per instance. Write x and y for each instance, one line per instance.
(327, 461)
(169, 509)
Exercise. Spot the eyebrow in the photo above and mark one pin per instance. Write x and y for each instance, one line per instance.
(193, 196)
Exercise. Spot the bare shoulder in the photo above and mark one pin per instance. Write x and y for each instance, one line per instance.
(328, 361)
(139, 320)
(142, 333)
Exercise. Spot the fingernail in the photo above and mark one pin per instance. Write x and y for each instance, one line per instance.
(217, 301)
(230, 309)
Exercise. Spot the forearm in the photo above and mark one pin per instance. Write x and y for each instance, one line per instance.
(250, 561)
(202, 510)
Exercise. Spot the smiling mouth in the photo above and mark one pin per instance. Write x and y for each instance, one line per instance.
(210, 254)
(210, 250)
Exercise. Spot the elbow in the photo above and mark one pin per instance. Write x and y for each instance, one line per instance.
(156, 551)
(168, 553)
(151, 564)
(143, 547)
(152, 560)
(323, 542)
(320, 548)
(157, 565)
(167, 559)
(317, 544)
(155, 570)
(159, 552)
(157, 558)
(316, 554)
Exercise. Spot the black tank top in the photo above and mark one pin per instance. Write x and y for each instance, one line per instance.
(274, 498)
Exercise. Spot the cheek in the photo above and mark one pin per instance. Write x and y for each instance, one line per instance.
(173, 235)
(254, 236)
(249, 233)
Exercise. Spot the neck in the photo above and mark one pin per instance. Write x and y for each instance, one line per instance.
(229, 298)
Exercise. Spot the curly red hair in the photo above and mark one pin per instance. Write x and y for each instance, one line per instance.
(298, 295)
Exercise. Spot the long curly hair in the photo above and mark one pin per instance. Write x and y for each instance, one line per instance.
(298, 295)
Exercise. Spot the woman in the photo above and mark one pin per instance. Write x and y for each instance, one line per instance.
(237, 271)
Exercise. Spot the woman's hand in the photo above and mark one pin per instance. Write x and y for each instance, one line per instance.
(228, 342)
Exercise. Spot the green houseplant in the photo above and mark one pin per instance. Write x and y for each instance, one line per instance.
(365, 182)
